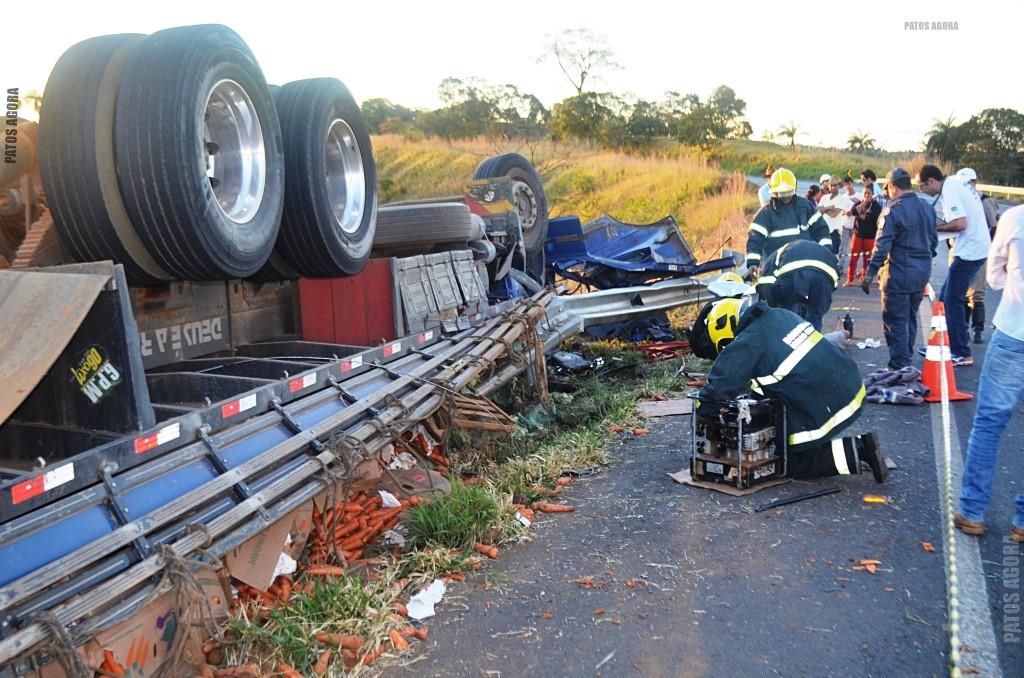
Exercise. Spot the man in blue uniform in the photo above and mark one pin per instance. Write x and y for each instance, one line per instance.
(800, 276)
(904, 249)
(776, 354)
(787, 217)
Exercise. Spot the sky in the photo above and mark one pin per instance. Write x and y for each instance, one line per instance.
(832, 68)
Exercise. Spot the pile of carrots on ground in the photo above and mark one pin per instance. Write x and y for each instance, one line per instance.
(349, 527)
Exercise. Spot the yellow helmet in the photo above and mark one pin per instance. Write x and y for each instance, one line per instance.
(783, 182)
(721, 322)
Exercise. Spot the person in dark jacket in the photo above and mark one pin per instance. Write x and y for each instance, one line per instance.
(906, 243)
(865, 227)
(800, 276)
(786, 218)
(776, 354)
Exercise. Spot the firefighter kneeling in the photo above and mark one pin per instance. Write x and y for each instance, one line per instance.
(776, 354)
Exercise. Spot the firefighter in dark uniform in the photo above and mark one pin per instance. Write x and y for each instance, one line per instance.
(776, 354)
(786, 218)
(800, 276)
(904, 248)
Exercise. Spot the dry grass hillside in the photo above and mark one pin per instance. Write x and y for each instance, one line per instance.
(712, 207)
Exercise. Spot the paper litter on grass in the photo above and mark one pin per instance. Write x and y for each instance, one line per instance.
(390, 501)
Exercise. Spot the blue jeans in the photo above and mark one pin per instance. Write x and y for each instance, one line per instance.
(954, 298)
(899, 325)
(999, 392)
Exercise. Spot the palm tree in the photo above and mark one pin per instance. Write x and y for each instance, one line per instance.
(790, 130)
(943, 139)
(859, 142)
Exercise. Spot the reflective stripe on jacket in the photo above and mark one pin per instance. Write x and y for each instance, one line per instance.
(778, 223)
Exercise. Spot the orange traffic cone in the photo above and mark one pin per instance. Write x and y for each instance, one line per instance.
(938, 358)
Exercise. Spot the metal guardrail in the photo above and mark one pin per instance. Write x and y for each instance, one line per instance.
(1011, 192)
(616, 305)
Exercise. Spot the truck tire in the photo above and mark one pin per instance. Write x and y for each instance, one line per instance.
(330, 199)
(76, 145)
(199, 153)
(405, 226)
(530, 199)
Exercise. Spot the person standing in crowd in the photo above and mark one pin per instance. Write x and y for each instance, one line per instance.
(834, 207)
(847, 234)
(823, 182)
(813, 192)
(964, 218)
(786, 218)
(1001, 386)
(976, 294)
(865, 226)
(764, 194)
(867, 177)
(906, 243)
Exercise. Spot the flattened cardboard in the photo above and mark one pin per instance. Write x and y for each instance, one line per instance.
(254, 561)
(683, 477)
(665, 408)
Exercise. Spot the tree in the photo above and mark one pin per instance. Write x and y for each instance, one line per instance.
(859, 142)
(945, 139)
(585, 116)
(581, 55)
(993, 144)
(707, 123)
(790, 131)
(516, 115)
(382, 116)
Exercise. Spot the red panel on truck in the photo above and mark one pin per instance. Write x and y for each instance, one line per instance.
(356, 310)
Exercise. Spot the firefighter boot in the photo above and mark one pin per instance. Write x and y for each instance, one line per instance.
(869, 452)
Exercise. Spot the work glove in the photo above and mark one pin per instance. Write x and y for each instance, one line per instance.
(866, 283)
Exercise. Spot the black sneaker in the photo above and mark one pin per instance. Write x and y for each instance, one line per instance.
(869, 453)
(978, 339)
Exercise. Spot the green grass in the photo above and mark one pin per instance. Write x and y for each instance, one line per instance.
(808, 162)
(459, 519)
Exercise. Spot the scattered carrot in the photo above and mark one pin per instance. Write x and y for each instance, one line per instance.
(346, 642)
(564, 480)
(414, 500)
(398, 641)
(455, 576)
(287, 670)
(928, 546)
(615, 428)
(350, 658)
(598, 611)
(320, 668)
(641, 431)
(325, 571)
(401, 609)
(111, 664)
(421, 633)
(548, 507)
(483, 549)
(371, 657)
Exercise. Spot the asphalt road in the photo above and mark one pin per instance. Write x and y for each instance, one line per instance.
(720, 590)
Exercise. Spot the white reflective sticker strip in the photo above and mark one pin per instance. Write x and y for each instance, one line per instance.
(247, 403)
(766, 280)
(169, 433)
(791, 361)
(938, 323)
(302, 382)
(785, 232)
(839, 457)
(825, 242)
(58, 476)
(937, 353)
(758, 228)
(753, 256)
(426, 336)
(393, 348)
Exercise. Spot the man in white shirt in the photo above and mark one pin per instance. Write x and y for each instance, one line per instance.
(1001, 387)
(976, 293)
(834, 208)
(963, 216)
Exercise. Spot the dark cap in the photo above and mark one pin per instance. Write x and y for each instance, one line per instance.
(897, 175)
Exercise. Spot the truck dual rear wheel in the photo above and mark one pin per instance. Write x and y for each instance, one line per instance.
(199, 153)
(76, 145)
(330, 213)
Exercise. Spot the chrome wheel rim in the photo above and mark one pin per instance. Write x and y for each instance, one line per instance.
(346, 181)
(526, 204)
(236, 157)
